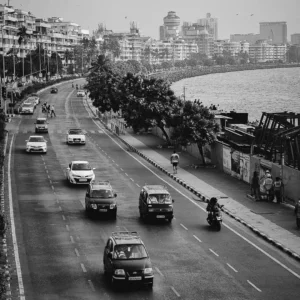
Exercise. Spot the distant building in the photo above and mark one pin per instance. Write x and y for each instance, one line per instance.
(211, 25)
(234, 48)
(262, 51)
(171, 27)
(295, 39)
(274, 31)
(251, 38)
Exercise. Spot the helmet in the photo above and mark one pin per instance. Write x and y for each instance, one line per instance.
(214, 200)
(269, 175)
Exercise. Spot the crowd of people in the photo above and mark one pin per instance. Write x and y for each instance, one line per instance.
(48, 109)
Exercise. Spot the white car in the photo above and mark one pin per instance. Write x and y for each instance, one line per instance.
(36, 97)
(80, 93)
(36, 143)
(27, 108)
(76, 136)
(80, 172)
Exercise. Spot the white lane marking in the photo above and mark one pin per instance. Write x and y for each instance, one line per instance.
(48, 177)
(253, 285)
(116, 164)
(91, 285)
(197, 239)
(126, 174)
(199, 206)
(175, 292)
(60, 208)
(63, 217)
(183, 226)
(212, 251)
(83, 268)
(231, 267)
(52, 187)
(76, 252)
(159, 272)
(72, 240)
(131, 179)
(57, 201)
(13, 227)
(112, 160)
(121, 169)
(68, 228)
(138, 185)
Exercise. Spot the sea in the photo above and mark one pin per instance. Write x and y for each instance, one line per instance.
(254, 92)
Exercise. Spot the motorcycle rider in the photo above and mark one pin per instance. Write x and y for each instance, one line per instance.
(212, 207)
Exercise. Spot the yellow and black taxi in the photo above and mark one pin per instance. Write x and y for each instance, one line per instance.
(156, 202)
(126, 260)
(101, 198)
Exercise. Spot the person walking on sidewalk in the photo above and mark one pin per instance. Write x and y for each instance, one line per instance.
(278, 189)
(174, 161)
(255, 186)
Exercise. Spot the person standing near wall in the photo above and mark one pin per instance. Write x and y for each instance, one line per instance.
(255, 186)
(278, 190)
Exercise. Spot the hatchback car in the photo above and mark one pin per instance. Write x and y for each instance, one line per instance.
(80, 93)
(126, 260)
(101, 198)
(80, 172)
(27, 108)
(36, 143)
(54, 91)
(76, 136)
(41, 125)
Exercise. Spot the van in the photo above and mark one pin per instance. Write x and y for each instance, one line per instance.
(41, 125)
(155, 202)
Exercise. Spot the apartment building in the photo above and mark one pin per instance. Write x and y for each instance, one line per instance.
(262, 51)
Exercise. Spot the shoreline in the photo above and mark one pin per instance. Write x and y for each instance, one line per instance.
(177, 75)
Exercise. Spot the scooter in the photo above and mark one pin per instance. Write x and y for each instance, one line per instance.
(215, 219)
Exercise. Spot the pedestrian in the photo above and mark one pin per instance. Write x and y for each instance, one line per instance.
(278, 189)
(52, 111)
(255, 186)
(174, 161)
(268, 184)
(48, 110)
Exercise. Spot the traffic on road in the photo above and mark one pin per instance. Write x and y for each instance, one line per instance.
(96, 221)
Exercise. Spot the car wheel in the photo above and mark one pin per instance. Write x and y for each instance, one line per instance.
(114, 215)
(150, 285)
(170, 220)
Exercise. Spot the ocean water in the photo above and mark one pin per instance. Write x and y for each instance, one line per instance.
(254, 92)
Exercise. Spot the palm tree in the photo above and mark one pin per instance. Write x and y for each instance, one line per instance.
(23, 37)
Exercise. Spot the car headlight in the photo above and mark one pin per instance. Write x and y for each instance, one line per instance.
(112, 206)
(94, 206)
(119, 272)
(148, 271)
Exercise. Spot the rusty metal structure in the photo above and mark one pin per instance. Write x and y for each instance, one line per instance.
(277, 138)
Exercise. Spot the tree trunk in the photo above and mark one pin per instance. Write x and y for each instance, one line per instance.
(162, 128)
(201, 153)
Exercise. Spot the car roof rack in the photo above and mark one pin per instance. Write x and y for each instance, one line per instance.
(123, 235)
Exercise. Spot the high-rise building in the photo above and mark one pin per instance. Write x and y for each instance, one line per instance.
(262, 51)
(211, 25)
(171, 27)
(295, 39)
(251, 38)
(276, 32)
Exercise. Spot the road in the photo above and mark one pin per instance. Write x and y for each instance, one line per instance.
(60, 248)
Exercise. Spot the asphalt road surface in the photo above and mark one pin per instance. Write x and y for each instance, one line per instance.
(60, 248)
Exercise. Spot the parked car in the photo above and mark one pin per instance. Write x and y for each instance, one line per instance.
(126, 260)
(33, 100)
(36, 143)
(76, 136)
(54, 90)
(80, 172)
(27, 108)
(34, 95)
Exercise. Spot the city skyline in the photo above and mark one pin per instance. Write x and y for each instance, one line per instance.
(234, 16)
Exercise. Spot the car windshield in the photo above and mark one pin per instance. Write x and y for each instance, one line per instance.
(81, 167)
(159, 198)
(101, 194)
(80, 91)
(36, 139)
(27, 105)
(124, 252)
(40, 121)
(75, 131)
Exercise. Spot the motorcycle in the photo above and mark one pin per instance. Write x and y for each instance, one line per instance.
(215, 218)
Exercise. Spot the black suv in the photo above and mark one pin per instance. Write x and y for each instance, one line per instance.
(126, 259)
(101, 198)
(156, 202)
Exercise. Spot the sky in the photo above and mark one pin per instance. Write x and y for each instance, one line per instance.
(234, 16)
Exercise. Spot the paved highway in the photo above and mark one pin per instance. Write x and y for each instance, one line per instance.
(60, 248)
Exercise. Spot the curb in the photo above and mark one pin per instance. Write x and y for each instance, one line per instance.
(204, 198)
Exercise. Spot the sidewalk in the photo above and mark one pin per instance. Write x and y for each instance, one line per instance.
(275, 223)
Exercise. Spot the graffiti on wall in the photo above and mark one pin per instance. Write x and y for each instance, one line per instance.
(245, 167)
